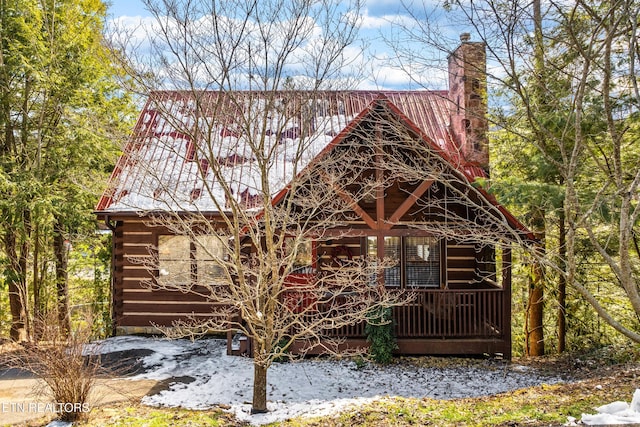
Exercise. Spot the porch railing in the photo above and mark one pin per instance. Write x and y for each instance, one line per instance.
(444, 313)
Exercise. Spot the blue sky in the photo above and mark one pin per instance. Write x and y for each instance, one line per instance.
(377, 20)
(135, 7)
(127, 8)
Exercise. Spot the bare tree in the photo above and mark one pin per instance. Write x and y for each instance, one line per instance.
(248, 178)
(252, 208)
(576, 102)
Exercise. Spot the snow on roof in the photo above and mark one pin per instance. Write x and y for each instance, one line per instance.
(165, 164)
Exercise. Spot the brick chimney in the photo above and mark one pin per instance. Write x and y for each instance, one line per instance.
(468, 93)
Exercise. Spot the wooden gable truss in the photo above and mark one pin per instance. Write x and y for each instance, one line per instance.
(469, 311)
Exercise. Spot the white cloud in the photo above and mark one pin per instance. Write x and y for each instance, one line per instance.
(372, 66)
(412, 76)
(376, 22)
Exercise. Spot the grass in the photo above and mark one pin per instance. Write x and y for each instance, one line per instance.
(145, 416)
(535, 406)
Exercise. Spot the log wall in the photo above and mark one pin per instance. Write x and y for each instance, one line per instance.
(136, 307)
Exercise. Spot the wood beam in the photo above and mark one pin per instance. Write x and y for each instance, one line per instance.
(380, 202)
(408, 202)
(353, 204)
(357, 209)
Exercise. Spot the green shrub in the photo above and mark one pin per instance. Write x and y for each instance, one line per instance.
(360, 362)
(379, 331)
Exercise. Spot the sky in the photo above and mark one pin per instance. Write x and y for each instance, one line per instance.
(376, 8)
(377, 23)
(127, 8)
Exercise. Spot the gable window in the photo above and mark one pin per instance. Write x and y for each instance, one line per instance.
(418, 263)
(182, 260)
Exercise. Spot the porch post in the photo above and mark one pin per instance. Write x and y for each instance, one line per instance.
(380, 202)
(506, 300)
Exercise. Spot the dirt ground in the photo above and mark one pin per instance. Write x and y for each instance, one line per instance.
(21, 403)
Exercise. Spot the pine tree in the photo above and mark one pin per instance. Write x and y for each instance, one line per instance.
(60, 108)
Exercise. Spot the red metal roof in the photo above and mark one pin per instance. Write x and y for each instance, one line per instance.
(159, 156)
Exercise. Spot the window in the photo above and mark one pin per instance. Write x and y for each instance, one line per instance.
(182, 261)
(209, 253)
(422, 262)
(372, 255)
(418, 260)
(174, 264)
(393, 274)
(303, 258)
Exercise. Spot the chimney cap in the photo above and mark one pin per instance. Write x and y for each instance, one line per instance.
(465, 37)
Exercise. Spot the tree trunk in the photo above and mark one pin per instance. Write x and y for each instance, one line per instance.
(562, 288)
(259, 405)
(62, 279)
(18, 330)
(36, 286)
(535, 313)
(535, 305)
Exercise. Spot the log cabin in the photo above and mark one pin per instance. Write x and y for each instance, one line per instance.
(462, 286)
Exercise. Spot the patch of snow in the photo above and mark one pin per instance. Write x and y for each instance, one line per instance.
(58, 423)
(616, 413)
(310, 387)
(635, 401)
(164, 346)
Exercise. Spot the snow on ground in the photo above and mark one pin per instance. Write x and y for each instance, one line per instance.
(205, 376)
(615, 413)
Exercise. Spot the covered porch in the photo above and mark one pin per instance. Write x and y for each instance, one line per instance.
(446, 322)
(434, 322)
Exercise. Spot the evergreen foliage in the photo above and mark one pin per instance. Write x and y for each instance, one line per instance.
(62, 117)
(563, 145)
(379, 331)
